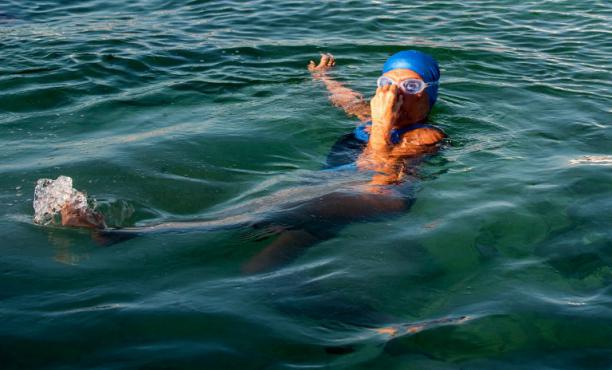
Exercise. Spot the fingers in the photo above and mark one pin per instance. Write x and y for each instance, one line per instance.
(327, 61)
(387, 103)
(391, 90)
(324, 60)
(392, 98)
(394, 92)
(312, 66)
(388, 88)
(332, 61)
(398, 103)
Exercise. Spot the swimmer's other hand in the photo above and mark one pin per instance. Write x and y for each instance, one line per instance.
(327, 61)
(79, 217)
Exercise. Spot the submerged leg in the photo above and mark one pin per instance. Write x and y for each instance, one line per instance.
(108, 237)
(319, 220)
(285, 248)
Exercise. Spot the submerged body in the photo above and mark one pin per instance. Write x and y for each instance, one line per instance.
(391, 140)
(388, 144)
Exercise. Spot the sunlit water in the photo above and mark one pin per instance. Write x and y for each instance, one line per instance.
(166, 110)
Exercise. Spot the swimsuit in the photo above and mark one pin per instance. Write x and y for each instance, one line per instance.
(346, 150)
(396, 134)
(342, 157)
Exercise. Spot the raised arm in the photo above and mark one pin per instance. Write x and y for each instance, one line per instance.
(341, 96)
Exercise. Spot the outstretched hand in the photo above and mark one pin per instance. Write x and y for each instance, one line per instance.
(327, 61)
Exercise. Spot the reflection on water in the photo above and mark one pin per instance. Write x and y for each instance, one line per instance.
(66, 250)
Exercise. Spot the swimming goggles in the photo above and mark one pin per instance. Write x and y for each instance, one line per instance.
(408, 86)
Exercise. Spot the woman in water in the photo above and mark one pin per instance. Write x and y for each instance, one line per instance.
(393, 122)
(391, 138)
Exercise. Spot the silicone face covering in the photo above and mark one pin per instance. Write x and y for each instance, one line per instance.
(408, 86)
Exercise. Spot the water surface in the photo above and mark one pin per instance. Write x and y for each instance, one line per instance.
(166, 110)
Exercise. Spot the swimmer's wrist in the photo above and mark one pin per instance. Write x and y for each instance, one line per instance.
(380, 137)
(381, 128)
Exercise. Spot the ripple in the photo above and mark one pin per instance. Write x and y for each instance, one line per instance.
(199, 110)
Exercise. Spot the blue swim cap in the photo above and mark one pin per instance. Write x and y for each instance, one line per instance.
(423, 64)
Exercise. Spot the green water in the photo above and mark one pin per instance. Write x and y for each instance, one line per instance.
(166, 110)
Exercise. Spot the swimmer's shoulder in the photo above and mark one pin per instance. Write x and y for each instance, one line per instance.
(428, 135)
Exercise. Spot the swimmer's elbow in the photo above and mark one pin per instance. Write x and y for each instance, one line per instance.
(430, 136)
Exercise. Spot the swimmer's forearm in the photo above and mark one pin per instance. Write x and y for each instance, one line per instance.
(341, 96)
(352, 102)
(380, 138)
(110, 236)
(169, 227)
(338, 92)
(94, 220)
(183, 226)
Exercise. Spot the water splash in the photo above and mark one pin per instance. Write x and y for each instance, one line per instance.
(50, 196)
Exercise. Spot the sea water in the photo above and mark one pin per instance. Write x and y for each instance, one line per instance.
(167, 110)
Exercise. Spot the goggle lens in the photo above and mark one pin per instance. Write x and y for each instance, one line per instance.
(412, 86)
(384, 81)
(409, 86)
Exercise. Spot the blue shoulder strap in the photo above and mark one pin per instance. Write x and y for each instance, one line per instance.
(396, 135)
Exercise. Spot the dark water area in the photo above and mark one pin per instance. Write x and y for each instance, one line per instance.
(166, 110)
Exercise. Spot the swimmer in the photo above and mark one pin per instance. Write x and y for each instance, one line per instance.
(393, 122)
(391, 137)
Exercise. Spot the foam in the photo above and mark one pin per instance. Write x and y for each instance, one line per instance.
(50, 196)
